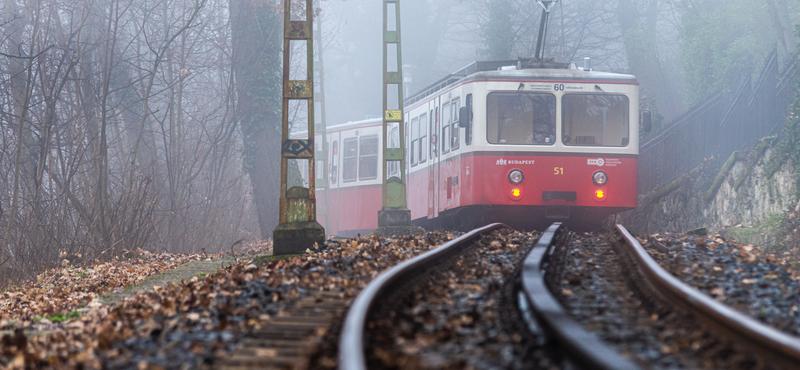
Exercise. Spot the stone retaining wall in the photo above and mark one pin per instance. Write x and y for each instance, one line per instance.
(712, 200)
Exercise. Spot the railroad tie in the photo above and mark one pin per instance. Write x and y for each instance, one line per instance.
(288, 339)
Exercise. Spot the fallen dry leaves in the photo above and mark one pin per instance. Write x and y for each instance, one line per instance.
(455, 319)
(185, 325)
(60, 291)
(760, 282)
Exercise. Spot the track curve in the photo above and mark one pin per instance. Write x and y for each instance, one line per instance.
(769, 343)
(351, 340)
(581, 347)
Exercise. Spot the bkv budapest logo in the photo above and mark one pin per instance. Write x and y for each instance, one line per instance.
(596, 162)
(503, 162)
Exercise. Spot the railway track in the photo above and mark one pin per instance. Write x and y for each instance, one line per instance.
(439, 317)
(578, 345)
(643, 306)
(385, 288)
(772, 347)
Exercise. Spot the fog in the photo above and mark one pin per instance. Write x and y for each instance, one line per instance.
(353, 49)
(155, 124)
(441, 37)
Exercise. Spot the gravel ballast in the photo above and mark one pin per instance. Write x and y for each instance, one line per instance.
(461, 317)
(598, 293)
(763, 285)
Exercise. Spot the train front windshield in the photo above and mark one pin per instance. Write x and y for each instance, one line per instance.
(521, 118)
(595, 120)
(530, 119)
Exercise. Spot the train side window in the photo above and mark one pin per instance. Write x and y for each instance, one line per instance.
(423, 138)
(456, 132)
(368, 158)
(468, 131)
(350, 158)
(414, 138)
(407, 142)
(334, 172)
(434, 144)
(446, 128)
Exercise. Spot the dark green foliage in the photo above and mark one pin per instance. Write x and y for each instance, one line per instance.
(788, 145)
(785, 231)
(722, 40)
(498, 35)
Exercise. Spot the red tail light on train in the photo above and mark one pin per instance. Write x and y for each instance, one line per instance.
(600, 195)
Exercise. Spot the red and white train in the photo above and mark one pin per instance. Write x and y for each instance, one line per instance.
(497, 142)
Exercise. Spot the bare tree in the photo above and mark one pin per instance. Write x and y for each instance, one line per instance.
(118, 130)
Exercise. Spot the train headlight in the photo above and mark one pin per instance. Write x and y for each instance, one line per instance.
(516, 193)
(516, 177)
(600, 178)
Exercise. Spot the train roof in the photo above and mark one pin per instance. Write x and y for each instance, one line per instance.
(526, 69)
(520, 69)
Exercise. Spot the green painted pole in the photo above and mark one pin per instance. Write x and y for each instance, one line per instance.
(395, 213)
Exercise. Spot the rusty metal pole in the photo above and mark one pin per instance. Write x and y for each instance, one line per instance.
(298, 229)
(394, 217)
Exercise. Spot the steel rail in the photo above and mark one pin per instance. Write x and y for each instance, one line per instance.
(581, 347)
(351, 341)
(770, 343)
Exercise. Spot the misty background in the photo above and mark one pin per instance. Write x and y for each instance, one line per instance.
(155, 124)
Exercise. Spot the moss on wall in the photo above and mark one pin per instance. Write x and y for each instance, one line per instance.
(755, 195)
(757, 155)
(723, 173)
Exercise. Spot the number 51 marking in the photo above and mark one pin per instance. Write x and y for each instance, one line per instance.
(559, 170)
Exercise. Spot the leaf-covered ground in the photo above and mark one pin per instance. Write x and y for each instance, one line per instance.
(191, 324)
(58, 293)
(761, 283)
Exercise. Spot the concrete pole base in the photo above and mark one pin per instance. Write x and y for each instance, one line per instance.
(395, 222)
(394, 217)
(296, 237)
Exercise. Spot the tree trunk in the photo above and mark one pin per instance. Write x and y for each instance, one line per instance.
(498, 32)
(129, 101)
(640, 35)
(779, 14)
(257, 30)
(22, 132)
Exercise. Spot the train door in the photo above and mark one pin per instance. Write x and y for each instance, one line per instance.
(433, 167)
(444, 148)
